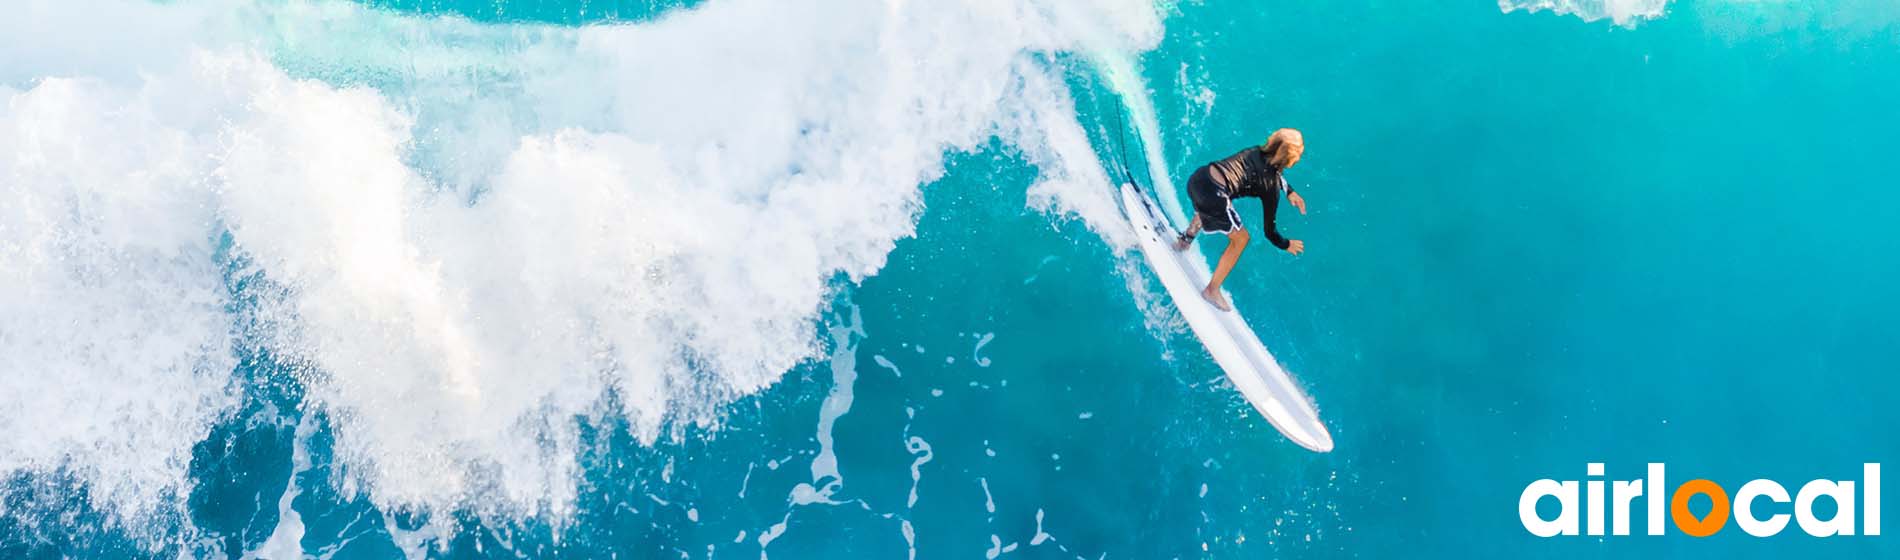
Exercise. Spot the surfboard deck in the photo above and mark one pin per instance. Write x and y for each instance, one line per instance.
(1227, 337)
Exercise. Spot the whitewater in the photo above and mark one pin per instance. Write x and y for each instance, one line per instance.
(461, 239)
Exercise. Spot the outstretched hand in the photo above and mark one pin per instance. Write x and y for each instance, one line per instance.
(1295, 246)
(1298, 202)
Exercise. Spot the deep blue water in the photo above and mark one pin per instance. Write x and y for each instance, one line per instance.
(1534, 242)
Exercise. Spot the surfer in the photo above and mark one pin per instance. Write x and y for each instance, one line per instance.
(1255, 172)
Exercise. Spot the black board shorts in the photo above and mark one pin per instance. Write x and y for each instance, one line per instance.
(1211, 203)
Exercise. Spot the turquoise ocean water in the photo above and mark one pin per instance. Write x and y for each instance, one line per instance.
(1536, 241)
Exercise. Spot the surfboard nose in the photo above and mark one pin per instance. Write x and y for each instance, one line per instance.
(1321, 441)
(1307, 432)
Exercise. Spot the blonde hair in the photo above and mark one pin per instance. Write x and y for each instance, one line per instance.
(1279, 142)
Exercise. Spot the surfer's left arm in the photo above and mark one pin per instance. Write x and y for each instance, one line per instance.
(1295, 198)
(1194, 228)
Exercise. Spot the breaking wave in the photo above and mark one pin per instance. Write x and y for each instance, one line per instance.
(464, 238)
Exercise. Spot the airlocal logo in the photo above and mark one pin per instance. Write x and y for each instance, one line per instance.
(1623, 492)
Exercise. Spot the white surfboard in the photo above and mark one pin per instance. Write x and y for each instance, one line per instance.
(1228, 338)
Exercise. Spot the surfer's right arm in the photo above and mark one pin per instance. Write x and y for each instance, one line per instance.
(1268, 206)
(1293, 246)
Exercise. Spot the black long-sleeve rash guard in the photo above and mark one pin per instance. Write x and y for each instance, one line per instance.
(1250, 174)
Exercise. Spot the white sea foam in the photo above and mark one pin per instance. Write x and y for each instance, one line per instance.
(844, 378)
(115, 347)
(1626, 13)
(286, 540)
(479, 232)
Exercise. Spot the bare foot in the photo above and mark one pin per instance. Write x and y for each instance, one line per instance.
(1215, 297)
